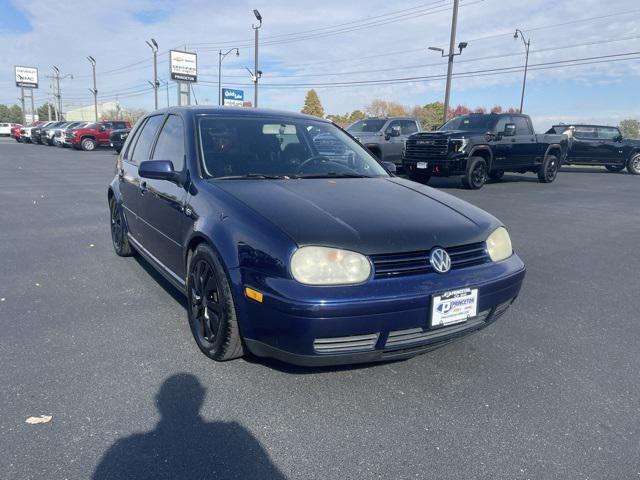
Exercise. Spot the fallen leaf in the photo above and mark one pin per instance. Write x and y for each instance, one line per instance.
(40, 419)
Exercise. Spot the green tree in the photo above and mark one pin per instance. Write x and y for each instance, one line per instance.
(430, 115)
(312, 105)
(355, 116)
(630, 128)
(43, 112)
(383, 108)
(4, 113)
(15, 114)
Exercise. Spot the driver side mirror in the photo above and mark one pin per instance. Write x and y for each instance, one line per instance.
(509, 130)
(619, 138)
(102, 128)
(392, 132)
(159, 170)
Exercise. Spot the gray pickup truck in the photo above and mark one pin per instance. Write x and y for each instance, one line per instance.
(385, 137)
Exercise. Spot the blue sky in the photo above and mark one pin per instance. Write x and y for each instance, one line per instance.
(317, 43)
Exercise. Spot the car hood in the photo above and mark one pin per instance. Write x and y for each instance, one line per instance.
(371, 215)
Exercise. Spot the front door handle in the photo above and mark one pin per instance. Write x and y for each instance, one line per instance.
(143, 188)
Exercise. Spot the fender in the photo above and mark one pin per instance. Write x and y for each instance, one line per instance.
(563, 152)
(485, 148)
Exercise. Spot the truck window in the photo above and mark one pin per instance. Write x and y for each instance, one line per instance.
(502, 122)
(522, 126)
(585, 132)
(395, 123)
(407, 127)
(608, 133)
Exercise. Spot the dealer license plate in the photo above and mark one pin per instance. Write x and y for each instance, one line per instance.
(454, 307)
(422, 165)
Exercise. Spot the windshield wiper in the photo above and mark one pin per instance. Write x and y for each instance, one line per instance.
(254, 176)
(334, 175)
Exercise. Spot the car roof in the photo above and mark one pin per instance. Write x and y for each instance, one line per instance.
(567, 125)
(237, 112)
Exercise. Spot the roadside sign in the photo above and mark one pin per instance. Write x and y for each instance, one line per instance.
(183, 66)
(26, 77)
(233, 97)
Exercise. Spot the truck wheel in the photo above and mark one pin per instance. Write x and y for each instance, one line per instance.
(496, 174)
(88, 144)
(419, 177)
(549, 169)
(614, 168)
(476, 174)
(633, 165)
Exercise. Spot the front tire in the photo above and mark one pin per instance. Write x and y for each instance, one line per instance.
(476, 174)
(549, 169)
(633, 165)
(211, 310)
(119, 230)
(88, 144)
(614, 168)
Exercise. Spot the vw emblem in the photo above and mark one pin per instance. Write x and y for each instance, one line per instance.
(440, 260)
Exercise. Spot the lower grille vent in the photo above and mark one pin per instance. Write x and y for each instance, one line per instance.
(356, 343)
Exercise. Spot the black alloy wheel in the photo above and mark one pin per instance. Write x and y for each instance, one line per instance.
(211, 309)
(614, 168)
(476, 174)
(549, 169)
(119, 230)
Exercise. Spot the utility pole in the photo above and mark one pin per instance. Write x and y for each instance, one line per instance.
(257, 73)
(451, 55)
(57, 78)
(92, 61)
(527, 43)
(153, 45)
(24, 114)
(220, 58)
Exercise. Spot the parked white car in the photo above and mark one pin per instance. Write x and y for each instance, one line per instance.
(5, 128)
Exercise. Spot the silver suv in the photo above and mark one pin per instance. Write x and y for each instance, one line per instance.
(385, 137)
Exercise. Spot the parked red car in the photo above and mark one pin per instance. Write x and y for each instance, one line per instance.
(15, 132)
(94, 134)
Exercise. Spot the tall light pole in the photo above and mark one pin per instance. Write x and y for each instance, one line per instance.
(153, 45)
(57, 78)
(257, 72)
(220, 58)
(527, 43)
(452, 43)
(92, 61)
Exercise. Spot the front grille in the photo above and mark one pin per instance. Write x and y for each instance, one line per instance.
(426, 146)
(355, 343)
(416, 336)
(413, 263)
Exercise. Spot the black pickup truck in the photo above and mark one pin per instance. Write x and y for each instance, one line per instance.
(600, 145)
(482, 146)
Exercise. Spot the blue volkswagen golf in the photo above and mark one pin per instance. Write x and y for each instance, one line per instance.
(290, 240)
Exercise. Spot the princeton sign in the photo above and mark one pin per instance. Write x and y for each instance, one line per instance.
(27, 77)
(183, 66)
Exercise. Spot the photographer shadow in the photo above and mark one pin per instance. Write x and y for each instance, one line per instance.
(183, 445)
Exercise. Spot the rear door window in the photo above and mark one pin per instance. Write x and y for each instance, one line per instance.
(522, 126)
(145, 139)
(589, 133)
(608, 133)
(407, 127)
(170, 145)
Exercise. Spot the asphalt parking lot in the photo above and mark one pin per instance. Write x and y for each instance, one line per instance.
(102, 344)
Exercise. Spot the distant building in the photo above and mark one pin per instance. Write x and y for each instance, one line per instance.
(106, 109)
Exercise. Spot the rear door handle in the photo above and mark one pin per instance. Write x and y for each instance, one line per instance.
(143, 188)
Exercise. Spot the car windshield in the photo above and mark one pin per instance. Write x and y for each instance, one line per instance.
(470, 123)
(239, 148)
(370, 126)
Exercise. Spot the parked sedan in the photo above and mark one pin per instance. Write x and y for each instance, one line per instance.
(286, 251)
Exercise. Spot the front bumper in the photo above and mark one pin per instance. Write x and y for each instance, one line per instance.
(453, 164)
(384, 319)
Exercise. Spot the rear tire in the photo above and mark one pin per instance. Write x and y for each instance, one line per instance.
(476, 174)
(549, 169)
(88, 144)
(633, 165)
(614, 168)
(211, 310)
(119, 229)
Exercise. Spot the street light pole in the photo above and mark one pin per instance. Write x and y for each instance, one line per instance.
(92, 61)
(220, 58)
(527, 43)
(57, 94)
(153, 45)
(257, 72)
(461, 46)
(452, 43)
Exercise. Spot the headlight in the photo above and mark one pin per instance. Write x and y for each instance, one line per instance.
(459, 144)
(499, 244)
(329, 266)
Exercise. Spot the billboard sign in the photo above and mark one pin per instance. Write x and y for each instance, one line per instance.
(233, 97)
(183, 66)
(26, 77)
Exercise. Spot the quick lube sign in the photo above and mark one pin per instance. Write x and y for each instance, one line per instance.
(27, 77)
(183, 66)
(232, 97)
